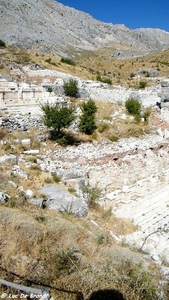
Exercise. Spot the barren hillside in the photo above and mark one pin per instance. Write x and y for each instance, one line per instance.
(49, 26)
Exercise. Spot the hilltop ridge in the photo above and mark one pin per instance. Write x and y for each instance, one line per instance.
(51, 27)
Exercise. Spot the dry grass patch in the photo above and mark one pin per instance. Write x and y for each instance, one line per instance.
(90, 63)
(68, 254)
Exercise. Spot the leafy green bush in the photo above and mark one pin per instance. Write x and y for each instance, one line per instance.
(57, 117)
(133, 106)
(48, 60)
(113, 138)
(100, 239)
(2, 44)
(68, 61)
(87, 119)
(71, 88)
(91, 195)
(49, 89)
(142, 84)
(132, 75)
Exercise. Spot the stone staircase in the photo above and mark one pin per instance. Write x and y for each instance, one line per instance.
(151, 214)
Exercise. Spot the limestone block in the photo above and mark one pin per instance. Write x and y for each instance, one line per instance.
(31, 152)
(25, 142)
(29, 193)
(61, 200)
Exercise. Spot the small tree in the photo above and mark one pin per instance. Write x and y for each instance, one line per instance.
(57, 117)
(133, 106)
(71, 88)
(87, 120)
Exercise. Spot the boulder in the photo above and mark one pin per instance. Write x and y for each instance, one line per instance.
(26, 141)
(61, 200)
(4, 197)
(29, 193)
(5, 158)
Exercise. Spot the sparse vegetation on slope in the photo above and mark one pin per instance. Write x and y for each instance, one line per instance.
(83, 259)
(87, 119)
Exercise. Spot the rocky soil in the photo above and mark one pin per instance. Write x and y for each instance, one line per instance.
(40, 179)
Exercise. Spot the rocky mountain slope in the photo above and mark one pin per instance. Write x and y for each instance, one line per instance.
(49, 26)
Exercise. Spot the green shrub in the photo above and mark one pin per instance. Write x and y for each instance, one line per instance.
(133, 106)
(62, 141)
(106, 213)
(107, 117)
(132, 75)
(2, 44)
(91, 195)
(94, 135)
(57, 117)
(35, 168)
(103, 79)
(137, 118)
(9, 149)
(65, 262)
(141, 282)
(55, 177)
(87, 120)
(71, 190)
(49, 89)
(142, 84)
(68, 61)
(135, 131)
(103, 127)
(100, 239)
(113, 138)
(146, 115)
(48, 180)
(71, 88)
(49, 61)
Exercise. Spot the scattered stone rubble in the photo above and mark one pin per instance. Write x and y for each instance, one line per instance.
(14, 95)
(133, 173)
